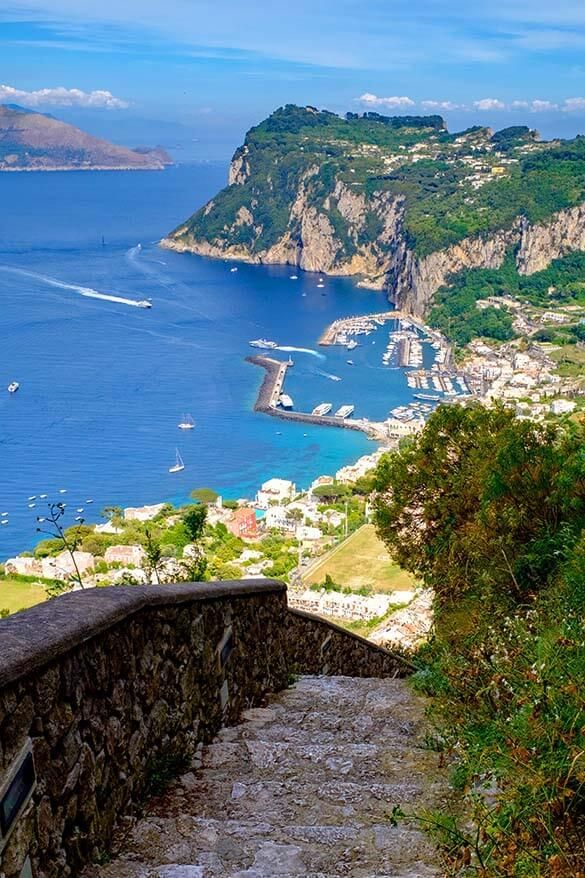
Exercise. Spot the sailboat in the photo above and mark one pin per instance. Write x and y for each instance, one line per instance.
(187, 423)
(178, 465)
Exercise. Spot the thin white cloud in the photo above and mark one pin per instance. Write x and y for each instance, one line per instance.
(62, 97)
(489, 104)
(394, 102)
(441, 105)
(543, 106)
(574, 105)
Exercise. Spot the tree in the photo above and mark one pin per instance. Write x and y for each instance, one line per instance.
(204, 495)
(194, 519)
(482, 501)
(154, 555)
(114, 514)
(331, 492)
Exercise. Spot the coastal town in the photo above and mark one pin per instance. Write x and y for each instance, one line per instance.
(293, 533)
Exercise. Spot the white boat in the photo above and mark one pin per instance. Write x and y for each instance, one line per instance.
(294, 277)
(344, 411)
(13, 386)
(322, 409)
(349, 362)
(263, 343)
(178, 465)
(320, 286)
(144, 303)
(286, 401)
(233, 269)
(351, 345)
(187, 423)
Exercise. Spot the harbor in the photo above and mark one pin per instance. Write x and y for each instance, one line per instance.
(271, 390)
(342, 331)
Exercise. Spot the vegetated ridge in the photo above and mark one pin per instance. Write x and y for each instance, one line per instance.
(32, 141)
(397, 200)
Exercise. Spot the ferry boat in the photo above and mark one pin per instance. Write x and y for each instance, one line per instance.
(13, 386)
(286, 401)
(322, 409)
(187, 423)
(144, 303)
(178, 464)
(263, 343)
(345, 411)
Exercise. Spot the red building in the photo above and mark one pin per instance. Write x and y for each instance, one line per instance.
(243, 524)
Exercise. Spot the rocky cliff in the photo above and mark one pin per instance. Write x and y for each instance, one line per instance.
(403, 206)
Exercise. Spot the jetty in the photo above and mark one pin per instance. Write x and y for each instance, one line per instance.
(271, 388)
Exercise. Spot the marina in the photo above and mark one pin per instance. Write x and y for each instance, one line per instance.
(341, 331)
(270, 391)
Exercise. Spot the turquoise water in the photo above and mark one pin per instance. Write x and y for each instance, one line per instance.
(104, 384)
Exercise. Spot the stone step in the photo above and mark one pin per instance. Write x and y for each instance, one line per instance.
(333, 801)
(302, 787)
(222, 847)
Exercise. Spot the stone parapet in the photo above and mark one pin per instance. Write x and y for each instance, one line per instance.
(108, 687)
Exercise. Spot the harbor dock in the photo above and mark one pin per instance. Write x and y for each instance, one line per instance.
(340, 331)
(271, 388)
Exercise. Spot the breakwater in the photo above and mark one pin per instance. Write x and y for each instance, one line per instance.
(271, 387)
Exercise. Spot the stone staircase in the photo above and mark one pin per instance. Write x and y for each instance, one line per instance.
(303, 787)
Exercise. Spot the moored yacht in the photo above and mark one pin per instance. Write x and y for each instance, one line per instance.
(322, 409)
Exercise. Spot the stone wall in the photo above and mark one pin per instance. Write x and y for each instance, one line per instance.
(108, 683)
(319, 647)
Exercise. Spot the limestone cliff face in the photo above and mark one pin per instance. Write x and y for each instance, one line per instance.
(562, 234)
(346, 232)
(412, 282)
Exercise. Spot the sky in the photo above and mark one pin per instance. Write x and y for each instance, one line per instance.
(199, 73)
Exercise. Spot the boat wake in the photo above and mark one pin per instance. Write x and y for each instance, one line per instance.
(88, 292)
(327, 375)
(288, 348)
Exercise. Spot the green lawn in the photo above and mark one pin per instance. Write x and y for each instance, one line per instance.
(16, 595)
(570, 359)
(362, 560)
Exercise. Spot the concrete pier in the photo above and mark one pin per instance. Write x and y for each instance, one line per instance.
(271, 389)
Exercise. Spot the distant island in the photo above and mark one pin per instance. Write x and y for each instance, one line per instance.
(31, 141)
(399, 201)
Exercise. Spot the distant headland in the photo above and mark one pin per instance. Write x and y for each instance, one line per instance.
(31, 141)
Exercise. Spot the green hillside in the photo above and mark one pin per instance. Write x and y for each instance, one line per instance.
(454, 185)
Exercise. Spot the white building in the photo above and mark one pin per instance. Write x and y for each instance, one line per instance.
(405, 428)
(308, 534)
(562, 406)
(126, 555)
(107, 528)
(277, 517)
(275, 490)
(142, 513)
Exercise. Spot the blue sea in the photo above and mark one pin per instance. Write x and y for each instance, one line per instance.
(104, 384)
